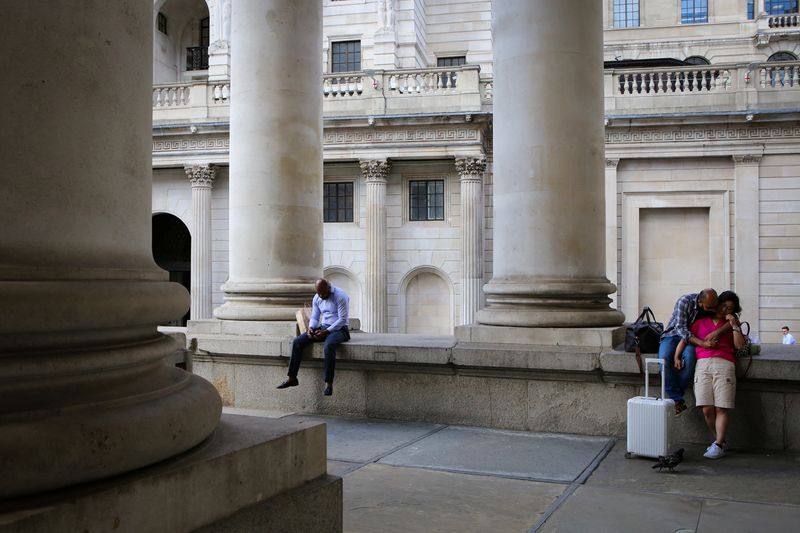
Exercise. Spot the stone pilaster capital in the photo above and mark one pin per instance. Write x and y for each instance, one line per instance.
(375, 170)
(471, 168)
(612, 163)
(201, 176)
(747, 159)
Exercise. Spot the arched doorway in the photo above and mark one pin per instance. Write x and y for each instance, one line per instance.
(180, 41)
(172, 251)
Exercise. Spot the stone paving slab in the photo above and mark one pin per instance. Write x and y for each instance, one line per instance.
(723, 517)
(405, 500)
(341, 468)
(362, 439)
(754, 477)
(607, 510)
(518, 454)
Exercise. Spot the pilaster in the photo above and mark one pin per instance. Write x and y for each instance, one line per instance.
(202, 179)
(375, 308)
(746, 236)
(471, 171)
(611, 225)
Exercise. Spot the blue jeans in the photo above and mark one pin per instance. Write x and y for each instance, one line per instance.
(676, 381)
(329, 349)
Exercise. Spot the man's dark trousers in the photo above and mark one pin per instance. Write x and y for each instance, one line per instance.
(333, 339)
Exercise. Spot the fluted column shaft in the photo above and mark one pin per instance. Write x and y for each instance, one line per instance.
(84, 390)
(549, 242)
(471, 172)
(202, 180)
(375, 312)
(275, 159)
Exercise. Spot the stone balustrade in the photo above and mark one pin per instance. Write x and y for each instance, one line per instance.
(784, 21)
(717, 88)
(702, 88)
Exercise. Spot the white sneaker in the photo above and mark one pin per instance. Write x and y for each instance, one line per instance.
(714, 451)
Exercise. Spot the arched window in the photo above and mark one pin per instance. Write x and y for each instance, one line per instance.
(696, 60)
(782, 56)
(172, 251)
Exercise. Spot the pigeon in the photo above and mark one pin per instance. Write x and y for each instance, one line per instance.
(670, 461)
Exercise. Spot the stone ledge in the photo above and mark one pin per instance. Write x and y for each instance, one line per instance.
(600, 338)
(246, 462)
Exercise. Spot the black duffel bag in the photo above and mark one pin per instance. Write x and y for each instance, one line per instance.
(645, 333)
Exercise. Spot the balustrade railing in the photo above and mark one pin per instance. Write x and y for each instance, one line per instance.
(672, 80)
(779, 75)
(423, 81)
(342, 85)
(173, 95)
(784, 21)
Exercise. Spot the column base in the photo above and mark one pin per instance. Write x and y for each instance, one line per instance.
(252, 474)
(264, 301)
(583, 337)
(549, 302)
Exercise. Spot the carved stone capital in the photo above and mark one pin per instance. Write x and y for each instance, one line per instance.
(471, 167)
(375, 169)
(612, 163)
(747, 159)
(201, 176)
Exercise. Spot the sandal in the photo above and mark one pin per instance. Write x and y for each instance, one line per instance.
(680, 407)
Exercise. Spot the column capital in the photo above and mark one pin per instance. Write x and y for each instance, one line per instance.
(612, 163)
(374, 169)
(201, 176)
(471, 167)
(747, 159)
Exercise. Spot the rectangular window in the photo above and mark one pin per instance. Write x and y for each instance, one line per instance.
(161, 23)
(780, 7)
(205, 31)
(694, 11)
(346, 56)
(426, 200)
(337, 201)
(626, 13)
(751, 15)
(455, 61)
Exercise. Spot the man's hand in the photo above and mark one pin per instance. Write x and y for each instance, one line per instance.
(322, 334)
(678, 362)
(711, 340)
(312, 333)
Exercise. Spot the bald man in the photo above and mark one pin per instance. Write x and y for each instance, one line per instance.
(688, 308)
(328, 324)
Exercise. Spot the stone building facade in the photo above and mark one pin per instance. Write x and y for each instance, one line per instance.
(702, 165)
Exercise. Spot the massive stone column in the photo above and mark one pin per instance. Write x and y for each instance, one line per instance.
(275, 159)
(549, 241)
(202, 180)
(84, 390)
(471, 171)
(375, 310)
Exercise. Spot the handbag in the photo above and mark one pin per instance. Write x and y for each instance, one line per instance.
(745, 352)
(644, 334)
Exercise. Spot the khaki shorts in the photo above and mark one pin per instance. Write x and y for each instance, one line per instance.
(715, 382)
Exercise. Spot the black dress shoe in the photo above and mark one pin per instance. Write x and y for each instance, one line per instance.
(328, 390)
(291, 382)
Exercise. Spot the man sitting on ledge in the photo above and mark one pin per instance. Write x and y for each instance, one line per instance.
(333, 306)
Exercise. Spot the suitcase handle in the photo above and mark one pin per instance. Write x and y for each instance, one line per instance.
(658, 361)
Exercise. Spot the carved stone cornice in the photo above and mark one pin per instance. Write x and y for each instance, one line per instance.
(612, 163)
(374, 169)
(471, 168)
(201, 176)
(646, 135)
(747, 159)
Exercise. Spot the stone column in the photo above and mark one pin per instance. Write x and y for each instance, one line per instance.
(611, 223)
(471, 171)
(375, 310)
(84, 390)
(202, 180)
(746, 236)
(275, 159)
(549, 239)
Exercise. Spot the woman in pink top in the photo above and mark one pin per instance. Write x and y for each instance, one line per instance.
(715, 373)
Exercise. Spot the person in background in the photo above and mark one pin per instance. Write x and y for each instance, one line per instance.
(787, 337)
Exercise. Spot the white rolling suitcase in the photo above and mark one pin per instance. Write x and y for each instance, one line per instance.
(650, 420)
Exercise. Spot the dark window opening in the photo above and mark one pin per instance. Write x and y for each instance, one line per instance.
(172, 251)
(455, 61)
(780, 7)
(197, 56)
(426, 200)
(346, 56)
(337, 202)
(161, 23)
